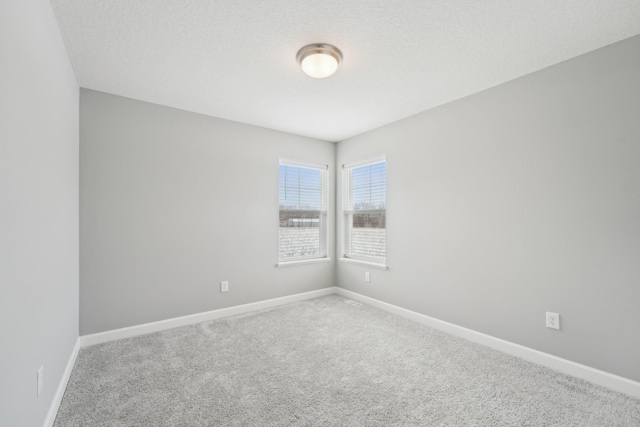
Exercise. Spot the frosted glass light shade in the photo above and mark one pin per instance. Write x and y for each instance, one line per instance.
(319, 60)
(319, 65)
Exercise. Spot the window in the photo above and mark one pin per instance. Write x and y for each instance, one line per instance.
(303, 198)
(364, 208)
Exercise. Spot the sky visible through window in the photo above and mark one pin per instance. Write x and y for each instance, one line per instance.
(368, 186)
(300, 187)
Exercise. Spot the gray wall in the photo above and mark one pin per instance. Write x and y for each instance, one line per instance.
(38, 209)
(521, 199)
(173, 202)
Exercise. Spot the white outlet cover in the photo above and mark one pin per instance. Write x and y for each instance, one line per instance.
(224, 286)
(553, 320)
(367, 276)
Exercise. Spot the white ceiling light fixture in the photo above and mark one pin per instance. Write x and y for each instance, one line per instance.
(319, 60)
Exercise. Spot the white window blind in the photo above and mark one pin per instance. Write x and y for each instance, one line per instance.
(303, 194)
(364, 209)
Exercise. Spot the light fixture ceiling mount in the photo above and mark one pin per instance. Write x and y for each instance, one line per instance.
(319, 60)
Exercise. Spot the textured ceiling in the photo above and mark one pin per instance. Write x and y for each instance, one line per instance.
(236, 59)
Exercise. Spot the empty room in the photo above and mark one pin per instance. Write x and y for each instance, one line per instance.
(319, 213)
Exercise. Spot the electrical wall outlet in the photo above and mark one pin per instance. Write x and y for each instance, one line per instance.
(367, 276)
(224, 286)
(40, 379)
(553, 320)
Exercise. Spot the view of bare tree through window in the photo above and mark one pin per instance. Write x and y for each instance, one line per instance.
(303, 210)
(365, 210)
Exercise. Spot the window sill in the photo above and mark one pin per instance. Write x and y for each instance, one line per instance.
(302, 262)
(366, 263)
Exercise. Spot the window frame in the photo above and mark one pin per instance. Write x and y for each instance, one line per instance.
(323, 213)
(347, 214)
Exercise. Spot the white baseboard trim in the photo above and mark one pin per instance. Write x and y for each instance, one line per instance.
(147, 328)
(62, 386)
(615, 382)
